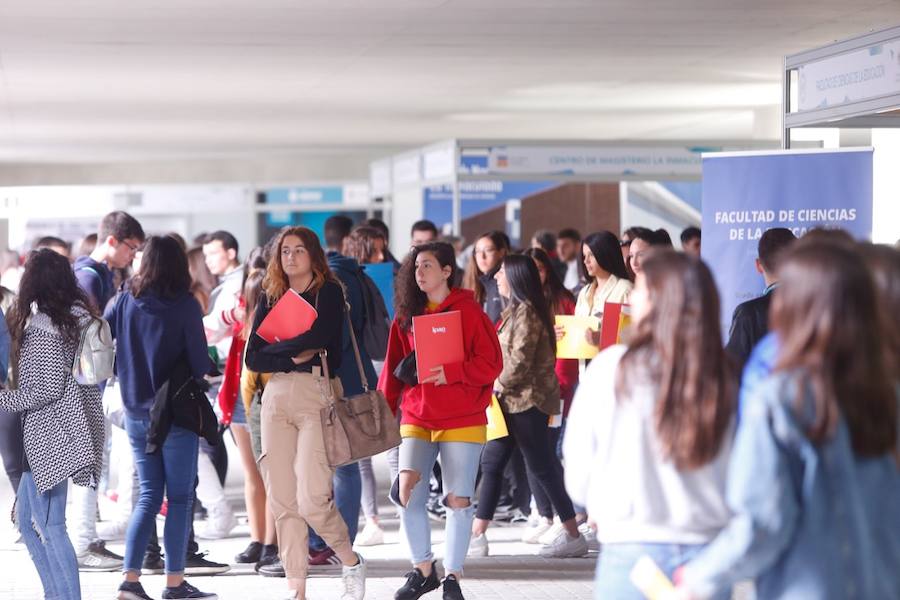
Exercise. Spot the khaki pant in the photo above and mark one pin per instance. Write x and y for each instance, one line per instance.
(295, 469)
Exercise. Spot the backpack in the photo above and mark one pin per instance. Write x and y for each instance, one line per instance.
(377, 323)
(96, 353)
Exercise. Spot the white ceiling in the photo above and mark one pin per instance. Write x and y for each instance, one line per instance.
(107, 80)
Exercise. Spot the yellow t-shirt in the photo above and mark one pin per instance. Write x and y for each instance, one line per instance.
(476, 434)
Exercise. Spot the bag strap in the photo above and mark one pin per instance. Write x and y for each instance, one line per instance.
(323, 354)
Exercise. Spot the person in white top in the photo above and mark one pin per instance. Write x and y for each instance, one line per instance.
(221, 253)
(649, 434)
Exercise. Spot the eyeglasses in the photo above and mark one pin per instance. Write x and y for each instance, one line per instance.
(625, 243)
(133, 249)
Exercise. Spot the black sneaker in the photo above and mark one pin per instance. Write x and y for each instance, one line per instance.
(186, 590)
(153, 565)
(251, 554)
(268, 556)
(132, 590)
(451, 588)
(273, 569)
(196, 564)
(417, 585)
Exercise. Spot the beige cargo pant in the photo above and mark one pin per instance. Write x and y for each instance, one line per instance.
(295, 469)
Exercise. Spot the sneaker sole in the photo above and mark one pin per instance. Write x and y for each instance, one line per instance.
(129, 596)
(100, 569)
(420, 594)
(208, 597)
(274, 575)
(206, 570)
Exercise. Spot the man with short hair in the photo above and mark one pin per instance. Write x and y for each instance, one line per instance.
(118, 238)
(690, 241)
(56, 244)
(751, 318)
(546, 241)
(568, 243)
(423, 232)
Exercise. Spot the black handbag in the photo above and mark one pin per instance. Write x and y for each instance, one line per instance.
(406, 370)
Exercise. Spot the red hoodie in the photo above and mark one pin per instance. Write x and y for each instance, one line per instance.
(463, 400)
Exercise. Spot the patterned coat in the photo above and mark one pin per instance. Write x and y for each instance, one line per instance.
(62, 421)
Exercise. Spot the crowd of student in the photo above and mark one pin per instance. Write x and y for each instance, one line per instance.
(773, 458)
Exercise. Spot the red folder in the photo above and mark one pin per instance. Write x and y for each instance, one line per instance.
(439, 341)
(616, 317)
(291, 316)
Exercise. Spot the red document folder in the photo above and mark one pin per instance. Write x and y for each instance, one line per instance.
(439, 341)
(291, 316)
(616, 317)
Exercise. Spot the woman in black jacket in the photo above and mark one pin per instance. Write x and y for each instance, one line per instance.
(298, 478)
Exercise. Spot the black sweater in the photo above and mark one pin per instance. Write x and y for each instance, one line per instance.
(325, 332)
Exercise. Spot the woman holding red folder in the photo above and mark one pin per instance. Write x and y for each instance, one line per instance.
(293, 462)
(443, 413)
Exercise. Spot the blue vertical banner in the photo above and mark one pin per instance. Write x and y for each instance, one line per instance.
(746, 193)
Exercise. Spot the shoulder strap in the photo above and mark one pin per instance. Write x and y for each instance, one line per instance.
(323, 354)
(100, 277)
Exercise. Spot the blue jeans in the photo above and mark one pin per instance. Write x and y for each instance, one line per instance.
(347, 498)
(170, 471)
(459, 466)
(616, 561)
(42, 523)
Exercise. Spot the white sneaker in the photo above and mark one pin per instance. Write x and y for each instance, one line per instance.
(551, 534)
(112, 531)
(590, 536)
(371, 535)
(534, 533)
(218, 526)
(354, 581)
(478, 546)
(565, 547)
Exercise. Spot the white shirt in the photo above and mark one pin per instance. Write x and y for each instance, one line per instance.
(218, 323)
(614, 467)
(573, 277)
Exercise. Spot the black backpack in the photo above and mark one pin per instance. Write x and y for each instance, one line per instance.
(377, 323)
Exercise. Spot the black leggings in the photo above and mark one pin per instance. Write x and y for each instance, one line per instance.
(529, 431)
(541, 500)
(11, 447)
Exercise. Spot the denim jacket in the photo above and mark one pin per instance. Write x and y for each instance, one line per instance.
(809, 521)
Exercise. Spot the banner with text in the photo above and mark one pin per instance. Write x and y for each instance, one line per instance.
(744, 194)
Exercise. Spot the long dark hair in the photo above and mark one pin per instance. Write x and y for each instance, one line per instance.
(409, 300)
(48, 283)
(830, 324)
(164, 269)
(276, 281)
(525, 288)
(605, 247)
(472, 276)
(555, 293)
(678, 344)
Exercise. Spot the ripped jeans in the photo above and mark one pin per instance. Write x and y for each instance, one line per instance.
(459, 465)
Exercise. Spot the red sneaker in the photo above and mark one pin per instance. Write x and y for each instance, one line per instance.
(326, 557)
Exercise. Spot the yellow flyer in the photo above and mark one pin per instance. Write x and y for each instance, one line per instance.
(575, 343)
(496, 426)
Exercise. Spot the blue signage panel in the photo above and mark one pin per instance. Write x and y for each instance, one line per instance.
(746, 194)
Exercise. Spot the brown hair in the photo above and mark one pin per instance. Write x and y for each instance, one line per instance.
(471, 279)
(678, 345)
(164, 269)
(409, 300)
(360, 244)
(831, 331)
(275, 283)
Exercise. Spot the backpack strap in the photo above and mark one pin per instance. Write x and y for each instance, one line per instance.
(99, 276)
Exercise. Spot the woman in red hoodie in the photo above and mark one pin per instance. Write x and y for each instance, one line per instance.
(443, 413)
